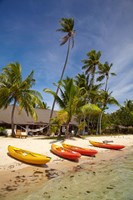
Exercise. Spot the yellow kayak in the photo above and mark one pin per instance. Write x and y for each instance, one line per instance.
(27, 156)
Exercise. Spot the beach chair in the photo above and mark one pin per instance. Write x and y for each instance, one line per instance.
(20, 134)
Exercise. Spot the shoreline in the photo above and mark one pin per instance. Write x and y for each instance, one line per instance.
(23, 178)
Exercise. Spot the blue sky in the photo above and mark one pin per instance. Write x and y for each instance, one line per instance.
(28, 35)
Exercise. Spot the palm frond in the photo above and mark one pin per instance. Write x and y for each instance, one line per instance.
(64, 40)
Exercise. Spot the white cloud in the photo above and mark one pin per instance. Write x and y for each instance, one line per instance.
(123, 91)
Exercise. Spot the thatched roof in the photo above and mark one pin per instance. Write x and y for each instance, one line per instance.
(22, 118)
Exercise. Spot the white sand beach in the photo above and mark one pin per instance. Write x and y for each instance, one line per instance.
(17, 176)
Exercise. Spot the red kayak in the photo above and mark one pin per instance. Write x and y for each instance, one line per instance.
(65, 153)
(83, 151)
(107, 145)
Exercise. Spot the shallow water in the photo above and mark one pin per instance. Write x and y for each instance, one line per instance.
(109, 180)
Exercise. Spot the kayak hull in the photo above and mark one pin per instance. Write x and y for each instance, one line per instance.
(65, 153)
(27, 156)
(82, 151)
(107, 146)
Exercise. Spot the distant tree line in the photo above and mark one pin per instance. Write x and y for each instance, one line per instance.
(121, 121)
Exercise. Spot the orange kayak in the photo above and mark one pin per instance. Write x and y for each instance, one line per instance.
(65, 153)
(107, 145)
(83, 151)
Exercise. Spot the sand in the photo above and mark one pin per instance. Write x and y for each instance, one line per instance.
(20, 178)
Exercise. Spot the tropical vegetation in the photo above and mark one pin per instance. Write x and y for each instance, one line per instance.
(14, 90)
(124, 115)
(68, 99)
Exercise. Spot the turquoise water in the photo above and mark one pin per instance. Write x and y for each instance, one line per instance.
(108, 180)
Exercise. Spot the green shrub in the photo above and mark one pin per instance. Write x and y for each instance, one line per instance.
(2, 131)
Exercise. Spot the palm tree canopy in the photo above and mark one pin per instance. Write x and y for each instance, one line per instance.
(81, 81)
(15, 90)
(90, 65)
(92, 61)
(106, 98)
(68, 98)
(67, 27)
(104, 71)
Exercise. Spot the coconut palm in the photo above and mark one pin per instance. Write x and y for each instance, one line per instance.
(104, 71)
(67, 26)
(81, 81)
(17, 91)
(68, 99)
(91, 65)
(105, 98)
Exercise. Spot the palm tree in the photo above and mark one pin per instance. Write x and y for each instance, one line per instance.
(128, 104)
(17, 91)
(67, 26)
(58, 121)
(68, 100)
(42, 106)
(81, 81)
(104, 71)
(91, 64)
(105, 98)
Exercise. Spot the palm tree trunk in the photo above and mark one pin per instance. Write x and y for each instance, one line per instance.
(84, 124)
(67, 130)
(68, 49)
(106, 84)
(99, 123)
(12, 119)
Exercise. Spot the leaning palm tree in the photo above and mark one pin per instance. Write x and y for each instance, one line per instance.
(18, 92)
(67, 26)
